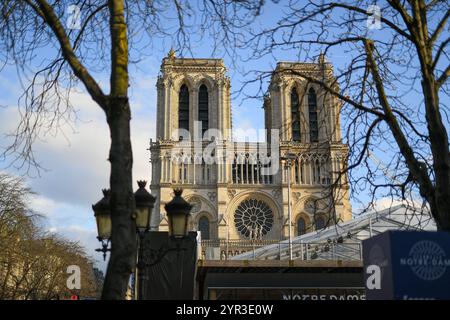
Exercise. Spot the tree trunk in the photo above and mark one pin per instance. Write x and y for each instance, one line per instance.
(436, 193)
(439, 148)
(123, 238)
(436, 129)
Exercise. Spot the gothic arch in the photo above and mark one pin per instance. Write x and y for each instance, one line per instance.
(205, 214)
(205, 210)
(210, 84)
(204, 108)
(324, 218)
(212, 224)
(313, 86)
(300, 205)
(297, 84)
(295, 113)
(204, 226)
(205, 79)
(301, 87)
(322, 210)
(308, 225)
(238, 198)
(313, 114)
(187, 80)
(183, 109)
(206, 206)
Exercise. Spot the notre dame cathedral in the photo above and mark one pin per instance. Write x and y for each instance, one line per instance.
(243, 193)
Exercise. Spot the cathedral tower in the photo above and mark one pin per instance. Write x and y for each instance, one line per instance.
(232, 196)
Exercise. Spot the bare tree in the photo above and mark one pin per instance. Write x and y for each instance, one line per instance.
(52, 58)
(381, 70)
(38, 269)
(33, 263)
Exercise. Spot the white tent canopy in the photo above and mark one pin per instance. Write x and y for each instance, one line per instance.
(343, 240)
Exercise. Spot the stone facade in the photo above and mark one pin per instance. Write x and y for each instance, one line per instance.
(233, 197)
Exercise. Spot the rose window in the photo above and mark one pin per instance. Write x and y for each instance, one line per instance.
(253, 218)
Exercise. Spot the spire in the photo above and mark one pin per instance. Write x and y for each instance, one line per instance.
(171, 54)
(322, 58)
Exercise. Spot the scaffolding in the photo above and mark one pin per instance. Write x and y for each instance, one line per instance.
(343, 241)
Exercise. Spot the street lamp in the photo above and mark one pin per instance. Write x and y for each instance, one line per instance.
(102, 212)
(144, 205)
(102, 215)
(178, 212)
(287, 162)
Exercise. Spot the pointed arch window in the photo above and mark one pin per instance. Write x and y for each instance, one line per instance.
(301, 226)
(296, 171)
(295, 115)
(183, 108)
(203, 227)
(320, 223)
(313, 120)
(316, 172)
(203, 108)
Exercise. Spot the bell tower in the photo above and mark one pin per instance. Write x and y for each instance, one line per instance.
(190, 91)
(193, 109)
(307, 117)
(302, 110)
(233, 196)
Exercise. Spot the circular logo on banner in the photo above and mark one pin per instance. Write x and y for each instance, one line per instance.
(427, 260)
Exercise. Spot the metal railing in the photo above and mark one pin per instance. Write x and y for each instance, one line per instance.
(278, 250)
(225, 249)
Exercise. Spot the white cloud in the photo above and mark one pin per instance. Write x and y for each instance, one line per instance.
(387, 202)
(42, 205)
(73, 222)
(87, 238)
(77, 160)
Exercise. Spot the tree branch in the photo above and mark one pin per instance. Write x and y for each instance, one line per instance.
(439, 28)
(79, 70)
(398, 6)
(441, 80)
(86, 21)
(414, 166)
(339, 95)
(384, 20)
(439, 52)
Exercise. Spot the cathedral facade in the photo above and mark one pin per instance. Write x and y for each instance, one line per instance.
(242, 190)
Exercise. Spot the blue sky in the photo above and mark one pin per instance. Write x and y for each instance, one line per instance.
(75, 158)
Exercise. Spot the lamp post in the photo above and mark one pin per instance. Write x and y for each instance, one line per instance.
(178, 212)
(144, 205)
(102, 213)
(287, 162)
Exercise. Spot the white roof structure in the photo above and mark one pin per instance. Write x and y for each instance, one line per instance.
(343, 241)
